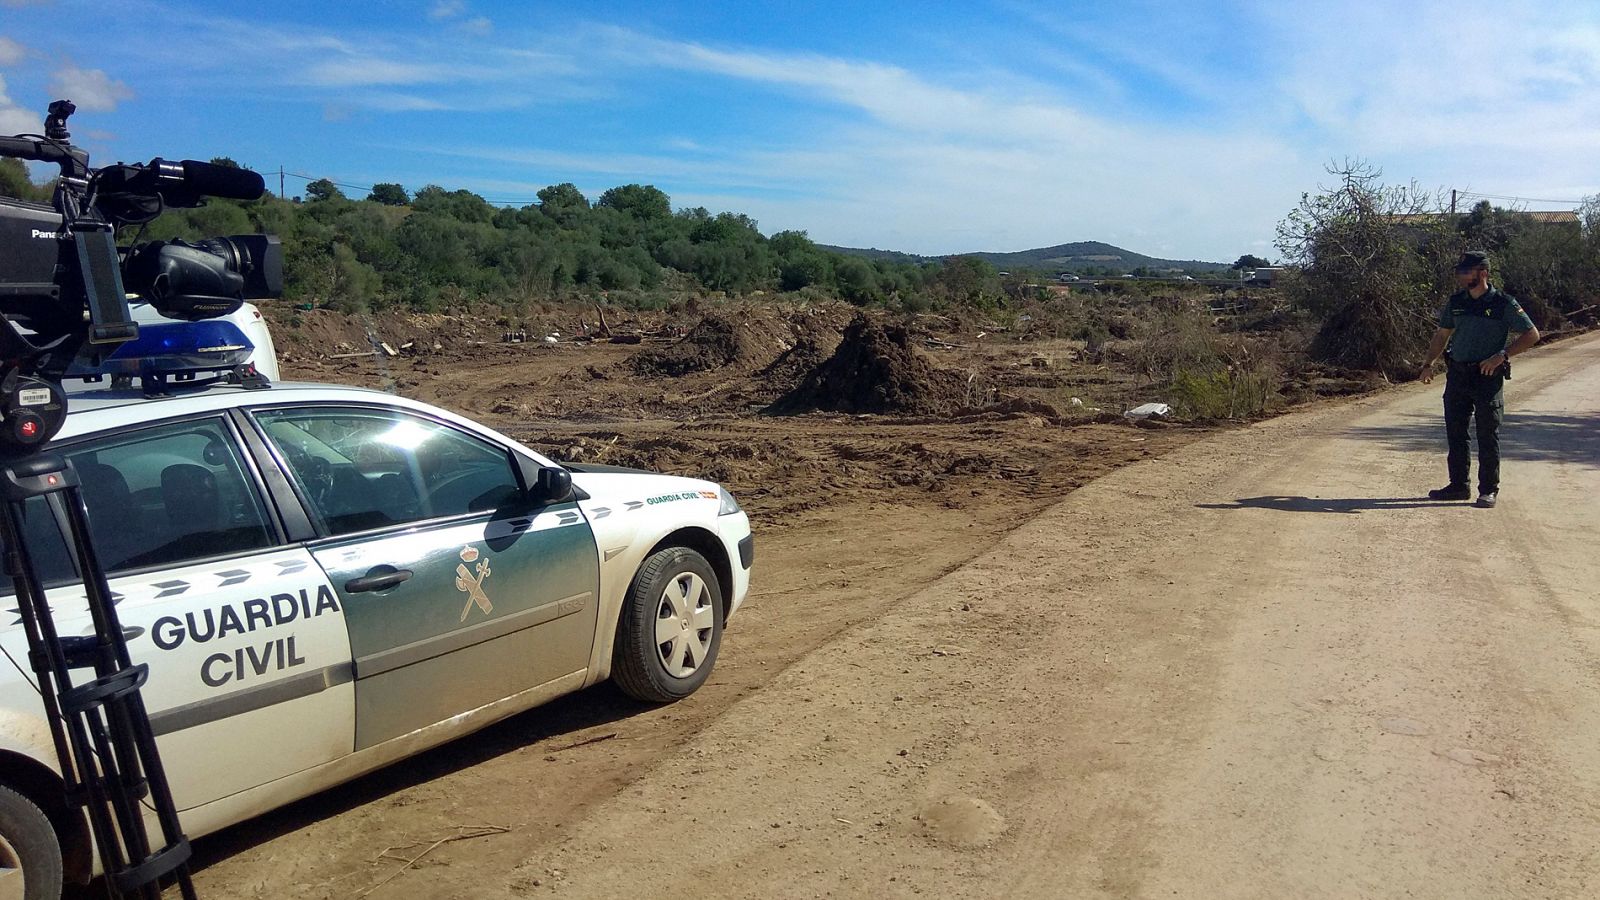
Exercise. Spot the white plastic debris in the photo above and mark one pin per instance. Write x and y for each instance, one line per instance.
(1148, 411)
(1075, 402)
(552, 339)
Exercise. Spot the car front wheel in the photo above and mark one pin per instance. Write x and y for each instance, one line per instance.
(30, 855)
(670, 628)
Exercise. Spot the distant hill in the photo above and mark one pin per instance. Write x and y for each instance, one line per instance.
(873, 253)
(1080, 256)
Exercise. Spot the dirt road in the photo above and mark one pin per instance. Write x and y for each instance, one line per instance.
(1253, 668)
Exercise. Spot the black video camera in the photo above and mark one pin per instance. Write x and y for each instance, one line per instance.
(64, 282)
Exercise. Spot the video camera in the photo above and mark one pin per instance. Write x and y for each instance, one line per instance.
(64, 282)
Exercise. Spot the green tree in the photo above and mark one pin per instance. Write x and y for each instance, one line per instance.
(1487, 227)
(642, 201)
(463, 206)
(323, 189)
(968, 280)
(227, 162)
(1552, 269)
(389, 194)
(1249, 261)
(857, 281)
(15, 183)
(801, 263)
(563, 203)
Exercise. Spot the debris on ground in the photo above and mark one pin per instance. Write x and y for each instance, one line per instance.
(1148, 411)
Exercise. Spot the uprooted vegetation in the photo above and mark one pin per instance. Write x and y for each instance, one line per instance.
(1059, 356)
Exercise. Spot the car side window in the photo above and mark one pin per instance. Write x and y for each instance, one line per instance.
(361, 469)
(158, 496)
(46, 544)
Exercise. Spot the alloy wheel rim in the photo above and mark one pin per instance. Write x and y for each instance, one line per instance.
(685, 622)
(13, 882)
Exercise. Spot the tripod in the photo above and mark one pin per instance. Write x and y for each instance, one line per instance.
(107, 750)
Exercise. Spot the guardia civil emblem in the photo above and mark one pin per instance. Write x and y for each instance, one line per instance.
(473, 587)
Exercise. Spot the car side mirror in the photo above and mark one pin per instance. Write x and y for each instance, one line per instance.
(552, 486)
(541, 485)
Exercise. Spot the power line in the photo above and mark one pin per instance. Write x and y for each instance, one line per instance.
(1519, 199)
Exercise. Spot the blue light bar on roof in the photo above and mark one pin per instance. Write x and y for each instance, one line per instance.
(172, 348)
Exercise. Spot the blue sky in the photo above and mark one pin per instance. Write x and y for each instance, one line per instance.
(1174, 129)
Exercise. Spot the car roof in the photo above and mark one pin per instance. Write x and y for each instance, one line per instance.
(93, 400)
(83, 397)
(96, 407)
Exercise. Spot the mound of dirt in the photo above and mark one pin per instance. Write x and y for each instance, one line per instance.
(876, 369)
(716, 341)
(793, 365)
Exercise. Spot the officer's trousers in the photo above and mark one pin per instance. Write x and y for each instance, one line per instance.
(1469, 393)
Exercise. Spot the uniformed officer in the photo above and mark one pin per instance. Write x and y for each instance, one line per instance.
(1477, 326)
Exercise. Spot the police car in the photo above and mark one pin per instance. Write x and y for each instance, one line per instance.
(325, 580)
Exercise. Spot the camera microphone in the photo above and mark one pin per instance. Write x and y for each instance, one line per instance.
(180, 183)
(221, 181)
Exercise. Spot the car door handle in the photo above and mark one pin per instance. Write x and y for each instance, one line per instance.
(378, 578)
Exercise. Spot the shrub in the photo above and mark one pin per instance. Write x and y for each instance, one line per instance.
(1175, 341)
(1232, 392)
(1373, 281)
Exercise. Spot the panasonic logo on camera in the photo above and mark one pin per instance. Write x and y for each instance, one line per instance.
(47, 235)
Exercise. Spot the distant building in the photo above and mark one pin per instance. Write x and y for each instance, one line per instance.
(1531, 216)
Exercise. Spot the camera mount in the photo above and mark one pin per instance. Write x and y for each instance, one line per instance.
(63, 297)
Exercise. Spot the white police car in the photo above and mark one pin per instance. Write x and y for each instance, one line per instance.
(325, 580)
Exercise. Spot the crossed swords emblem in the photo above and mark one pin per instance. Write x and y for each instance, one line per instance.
(473, 587)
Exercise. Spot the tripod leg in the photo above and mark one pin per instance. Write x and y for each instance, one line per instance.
(101, 728)
(80, 775)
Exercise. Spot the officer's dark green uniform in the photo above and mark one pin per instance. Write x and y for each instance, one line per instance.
(1481, 328)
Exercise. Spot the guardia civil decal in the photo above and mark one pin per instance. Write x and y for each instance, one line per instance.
(473, 587)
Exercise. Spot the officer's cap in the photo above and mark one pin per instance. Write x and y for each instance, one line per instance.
(1472, 259)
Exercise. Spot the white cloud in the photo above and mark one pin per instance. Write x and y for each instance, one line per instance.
(11, 52)
(15, 119)
(1504, 95)
(367, 71)
(90, 89)
(397, 102)
(925, 166)
(447, 9)
(478, 25)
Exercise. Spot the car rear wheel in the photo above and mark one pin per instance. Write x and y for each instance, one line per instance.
(30, 855)
(670, 628)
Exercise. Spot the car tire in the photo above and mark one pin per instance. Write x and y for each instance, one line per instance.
(670, 627)
(29, 850)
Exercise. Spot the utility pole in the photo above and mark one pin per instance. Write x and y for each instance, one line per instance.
(282, 197)
(1452, 201)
